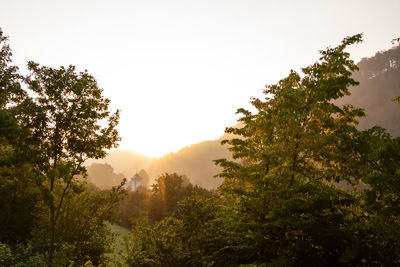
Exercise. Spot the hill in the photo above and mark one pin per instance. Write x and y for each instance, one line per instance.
(195, 161)
(125, 162)
(379, 78)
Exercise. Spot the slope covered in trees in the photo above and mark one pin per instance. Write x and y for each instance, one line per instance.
(124, 162)
(196, 161)
(379, 78)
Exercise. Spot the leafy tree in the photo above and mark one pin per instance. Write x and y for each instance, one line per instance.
(168, 190)
(134, 206)
(146, 178)
(103, 176)
(297, 142)
(81, 227)
(10, 80)
(19, 198)
(380, 200)
(45, 137)
(63, 116)
(18, 192)
(189, 238)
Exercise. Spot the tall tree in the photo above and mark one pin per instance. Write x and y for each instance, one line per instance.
(18, 195)
(69, 122)
(285, 153)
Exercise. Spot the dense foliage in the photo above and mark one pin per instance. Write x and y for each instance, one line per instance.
(156, 203)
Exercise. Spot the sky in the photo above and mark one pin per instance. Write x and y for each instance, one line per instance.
(179, 69)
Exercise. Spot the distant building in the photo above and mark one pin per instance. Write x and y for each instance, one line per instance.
(134, 183)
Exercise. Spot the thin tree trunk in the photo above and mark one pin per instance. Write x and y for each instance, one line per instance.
(52, 234)
(52, 219)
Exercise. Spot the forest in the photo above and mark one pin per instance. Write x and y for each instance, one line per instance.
(280, 202)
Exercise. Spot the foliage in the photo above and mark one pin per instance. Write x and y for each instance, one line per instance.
(63, 118)
(186, 239)
(381, 202)
(49, 127)
(18, 197)
(10, 87)
(18, 194)
(22, 256)
(296, 143)
(132, 207)
(168, 190)
(103, 176)
(82, 232)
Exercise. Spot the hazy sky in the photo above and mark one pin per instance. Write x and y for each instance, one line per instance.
(179, 69)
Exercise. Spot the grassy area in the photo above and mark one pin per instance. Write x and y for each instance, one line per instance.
(118, 249)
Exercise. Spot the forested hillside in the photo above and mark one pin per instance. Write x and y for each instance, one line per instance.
(196, 161)
(125, 162)
(379, 78)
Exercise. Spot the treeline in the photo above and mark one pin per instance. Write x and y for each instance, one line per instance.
(158, 202)
(278, 204)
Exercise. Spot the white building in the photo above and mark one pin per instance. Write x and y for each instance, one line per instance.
(135, 181)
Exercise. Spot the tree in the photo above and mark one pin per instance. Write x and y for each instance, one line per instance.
(186, 239)
(103, 176)
(18, 192)
(82, 230)
(286, 154)
(134, 206)
(381, 199)
(10, 80)
(64, 116)
(168, 190)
